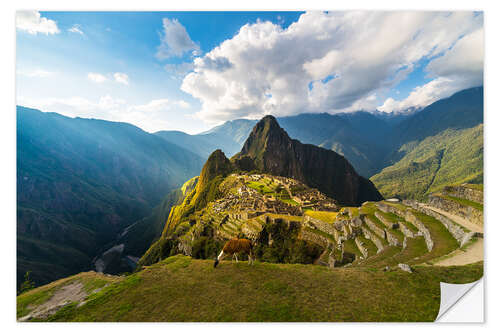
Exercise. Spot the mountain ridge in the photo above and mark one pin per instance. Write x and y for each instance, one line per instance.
(274, 152)
(80, 182)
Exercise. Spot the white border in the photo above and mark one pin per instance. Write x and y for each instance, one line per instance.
(8, 135)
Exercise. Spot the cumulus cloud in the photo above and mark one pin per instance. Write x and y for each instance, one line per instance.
(121, 78)
(32, 22)
(324, 62)
(175, 40)
(96, 77)
(76, 28)
(151, 116)
(179, 70)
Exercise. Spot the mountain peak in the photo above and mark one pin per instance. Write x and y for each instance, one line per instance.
(268, 123)
(265, 138)
(217, 164)
(269, 149)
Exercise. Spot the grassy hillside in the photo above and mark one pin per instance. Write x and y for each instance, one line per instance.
(452, 156)
(183, 289)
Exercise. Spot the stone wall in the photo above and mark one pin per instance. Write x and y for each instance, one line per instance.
(329, 228)
(368, 234)
(313, 237)
(361, 247)
(407, 232)
(378, 231)
(408, 216)
(467, 212)
(391, 239)
(464, 193)
(385, 221)
(461, 235)
(249, 232)
(421, 228)
(389, 209)
(383, 207)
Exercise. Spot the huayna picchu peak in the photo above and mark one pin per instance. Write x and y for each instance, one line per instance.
(273, 179)
(269, 149)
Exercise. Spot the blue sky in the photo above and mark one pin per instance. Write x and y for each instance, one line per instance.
(192, 70)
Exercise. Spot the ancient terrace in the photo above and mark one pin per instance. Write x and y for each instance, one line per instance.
(447, 230)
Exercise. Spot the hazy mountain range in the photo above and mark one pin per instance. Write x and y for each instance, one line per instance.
(82, 182)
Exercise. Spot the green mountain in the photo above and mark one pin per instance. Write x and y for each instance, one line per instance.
(80, 182)
(439, 145)
(269, 149)
(451, 156)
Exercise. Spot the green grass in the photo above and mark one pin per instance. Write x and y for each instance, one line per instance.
(452, 156)
(369, 245)
(354, 211)
(444, 242)
(262, 187)
(350, 246)
(479, 187)
(266, 186)
(285, 217)
(288, 200)
(322, 233)
(463, 202)
(379, 259)
(91, 281)
(195, 291)
(24, 301)
(324, 216)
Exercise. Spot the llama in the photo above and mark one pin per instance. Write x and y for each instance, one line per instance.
(235, 246)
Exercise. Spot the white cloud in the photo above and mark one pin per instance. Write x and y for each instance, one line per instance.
(100, 78)
(152, 116)
(76, 28)
(35, 73)
(460, 67)
(183, 104)
(179, 70)
(465, 59)
(175, 40)
(154, 105)
(121, 78)
(32, 22)
(96, 77)
(324, 62)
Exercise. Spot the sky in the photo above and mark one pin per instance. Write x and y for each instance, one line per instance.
(190, 71)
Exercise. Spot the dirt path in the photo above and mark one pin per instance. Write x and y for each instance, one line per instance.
(472, 254)
(72, 292)
(459, 220)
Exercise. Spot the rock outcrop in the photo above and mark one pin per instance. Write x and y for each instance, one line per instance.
(269, 149)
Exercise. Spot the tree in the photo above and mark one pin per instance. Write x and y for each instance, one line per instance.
(27, 284)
